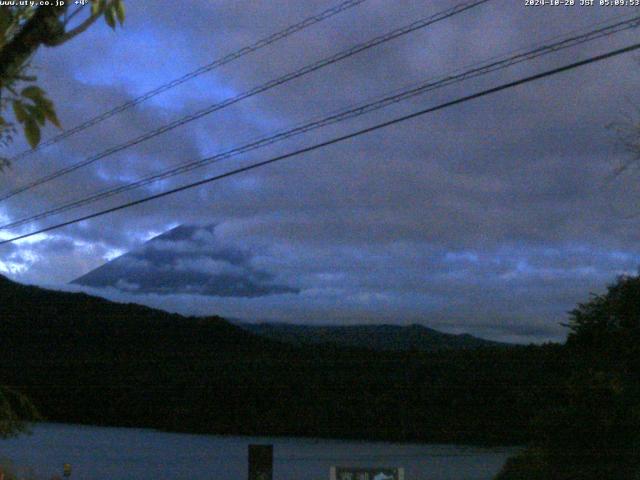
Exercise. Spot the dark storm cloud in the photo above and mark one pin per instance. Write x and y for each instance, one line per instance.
(492, 217)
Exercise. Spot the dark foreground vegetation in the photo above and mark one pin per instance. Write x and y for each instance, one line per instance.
(87, 360)
(592, 431)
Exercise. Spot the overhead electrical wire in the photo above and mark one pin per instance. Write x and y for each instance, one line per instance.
(484, 68)
(290, 30)
(335, 140)
(417, 25)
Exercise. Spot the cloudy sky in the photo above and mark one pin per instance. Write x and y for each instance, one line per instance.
(493, 217)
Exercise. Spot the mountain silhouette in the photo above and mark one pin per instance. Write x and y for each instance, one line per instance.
(186, 260)
(375, 337)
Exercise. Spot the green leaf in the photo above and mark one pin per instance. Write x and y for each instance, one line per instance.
(45, 102)
(32, 132)
(33, 92)
(20, 112)
(50, 114)
(110, 18)
(120, 10)
(36, 113)
(96, 6)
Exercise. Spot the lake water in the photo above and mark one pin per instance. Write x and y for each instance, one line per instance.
(98, 453)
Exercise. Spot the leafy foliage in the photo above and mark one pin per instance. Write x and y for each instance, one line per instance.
(609, 324)
(15, 411)
(32, 109)
(593, 432)
(23, 29)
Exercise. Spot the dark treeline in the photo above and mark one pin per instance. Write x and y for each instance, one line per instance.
(592, 430)
(87, 360)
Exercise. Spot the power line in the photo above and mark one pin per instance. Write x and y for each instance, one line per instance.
(335, 140)
(485, 67)
(419, 24)
(290, 30)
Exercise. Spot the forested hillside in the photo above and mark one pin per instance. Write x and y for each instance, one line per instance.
(88, 360)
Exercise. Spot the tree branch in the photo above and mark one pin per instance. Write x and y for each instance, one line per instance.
(43, 27)
(77, 30)
(70, 17)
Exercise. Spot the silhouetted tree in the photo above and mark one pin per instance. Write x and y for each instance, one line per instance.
(593, 432)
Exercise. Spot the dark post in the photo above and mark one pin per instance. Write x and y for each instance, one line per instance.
(260, 462)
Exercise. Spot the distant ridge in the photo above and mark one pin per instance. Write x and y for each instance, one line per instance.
(392, 338)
